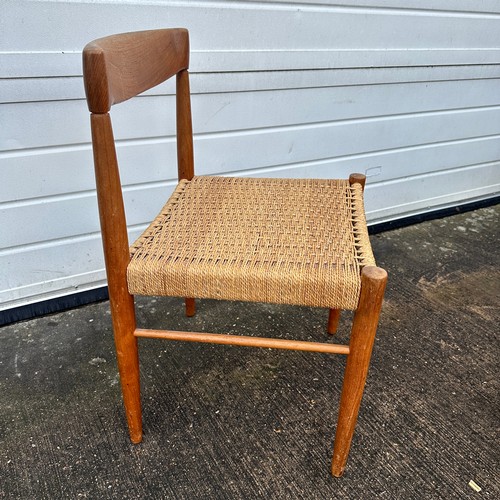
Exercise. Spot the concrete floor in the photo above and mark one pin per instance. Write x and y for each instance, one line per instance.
(234, 422)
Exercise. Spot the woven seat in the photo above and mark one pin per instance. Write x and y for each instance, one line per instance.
(289, 241)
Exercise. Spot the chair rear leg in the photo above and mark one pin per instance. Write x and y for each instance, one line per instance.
(333, 320)
(190, 307)
(123, 315)
(373, 281)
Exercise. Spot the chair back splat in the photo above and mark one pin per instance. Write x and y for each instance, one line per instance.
(132, 63)
(281, 241)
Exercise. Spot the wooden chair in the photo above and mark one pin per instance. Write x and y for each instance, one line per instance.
(293, 241)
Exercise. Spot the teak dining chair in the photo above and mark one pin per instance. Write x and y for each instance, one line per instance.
(283, 241)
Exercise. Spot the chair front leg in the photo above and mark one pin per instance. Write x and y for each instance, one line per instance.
(117, 257)
(373, 281)
(123, 315)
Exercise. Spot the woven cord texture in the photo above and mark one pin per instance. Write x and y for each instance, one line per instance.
(293, 241)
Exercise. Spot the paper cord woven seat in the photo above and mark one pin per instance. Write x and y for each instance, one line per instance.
(288, 241)
(284, 241)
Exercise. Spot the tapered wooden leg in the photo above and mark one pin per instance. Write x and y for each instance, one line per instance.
(190, 307)
(333, 320)
(123, 314)
(373, 281)
(117, 257)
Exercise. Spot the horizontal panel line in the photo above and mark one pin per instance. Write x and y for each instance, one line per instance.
(150, 184)
(349, 68)
(75, 195)
(48, 243)
(271, 88)
(432, 204)
(43, 77)
(63, 240)
(290, 69)
(150, 93)
(247, 131)
(444, 171)
(324, 7)
(315, 6)
(41, 150)
(62, 278)
(340, 49)
(330, 85)
(166, 139)
(360, 156)
(363, 119)
(270, 50)
(319, 86)
(340, 122)
(16, 64)
(359, 69)
(36, 200)
(275, 87)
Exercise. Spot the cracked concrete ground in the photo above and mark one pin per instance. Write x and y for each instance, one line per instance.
(234, 422)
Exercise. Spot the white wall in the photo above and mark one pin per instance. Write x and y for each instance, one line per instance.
(404, 90)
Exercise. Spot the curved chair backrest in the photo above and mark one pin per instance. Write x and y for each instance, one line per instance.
(118, 67)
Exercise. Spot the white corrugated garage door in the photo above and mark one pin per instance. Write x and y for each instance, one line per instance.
(404, 90)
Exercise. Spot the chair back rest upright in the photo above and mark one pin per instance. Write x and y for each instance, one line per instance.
(115, 69)
(119, 67)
